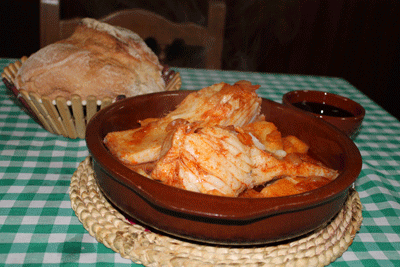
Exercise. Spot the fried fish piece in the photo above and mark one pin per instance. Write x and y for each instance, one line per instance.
(266, 167)
(292, 144)
(268, 135)
(219, 104)
(220, 161)
(288, 185)
(210, 160)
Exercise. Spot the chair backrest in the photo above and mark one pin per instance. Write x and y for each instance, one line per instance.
(148, 25)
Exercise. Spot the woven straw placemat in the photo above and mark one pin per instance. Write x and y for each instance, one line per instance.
(142, 246)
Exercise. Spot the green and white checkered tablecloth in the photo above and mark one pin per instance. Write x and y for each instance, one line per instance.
(39, 228)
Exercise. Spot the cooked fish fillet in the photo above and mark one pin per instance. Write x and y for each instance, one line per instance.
(291, 185)
(288, 185)
(219, 161)
(219, 104)
(266, 167)
(209, 160)
(268, 135)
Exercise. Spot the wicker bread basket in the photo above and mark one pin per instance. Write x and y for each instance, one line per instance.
(66, 117)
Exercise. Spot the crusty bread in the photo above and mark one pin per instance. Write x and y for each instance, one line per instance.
(98, 59)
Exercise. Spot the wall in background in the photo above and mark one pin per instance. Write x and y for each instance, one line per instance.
(358, 40)
(19, 27)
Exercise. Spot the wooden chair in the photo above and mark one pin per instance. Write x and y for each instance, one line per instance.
(148, 25)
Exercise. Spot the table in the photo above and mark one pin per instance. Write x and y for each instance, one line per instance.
(39, 228)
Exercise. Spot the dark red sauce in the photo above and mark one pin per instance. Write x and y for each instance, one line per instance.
(323, 109)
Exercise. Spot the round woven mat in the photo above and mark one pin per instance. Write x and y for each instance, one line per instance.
(142, 246)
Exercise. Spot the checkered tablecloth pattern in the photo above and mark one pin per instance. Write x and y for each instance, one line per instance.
(39, 228)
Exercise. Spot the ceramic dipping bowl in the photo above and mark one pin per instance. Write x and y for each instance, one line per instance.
(342, 112)
(215, 219)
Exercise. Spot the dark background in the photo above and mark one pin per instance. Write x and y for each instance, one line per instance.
(358, 40)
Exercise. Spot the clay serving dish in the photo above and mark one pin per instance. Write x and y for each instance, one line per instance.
(215, 219)
(349, 125)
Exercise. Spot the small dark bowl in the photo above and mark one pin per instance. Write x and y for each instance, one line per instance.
(349, 125)
(216, 219)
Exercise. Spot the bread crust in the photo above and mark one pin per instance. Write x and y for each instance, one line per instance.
(98, 59)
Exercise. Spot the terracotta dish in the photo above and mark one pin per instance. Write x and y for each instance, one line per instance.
(215, 219)
(349, 125)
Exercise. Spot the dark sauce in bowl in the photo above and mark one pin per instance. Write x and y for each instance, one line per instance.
(323, 109)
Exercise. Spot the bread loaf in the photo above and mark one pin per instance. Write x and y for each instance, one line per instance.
(98, 59)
